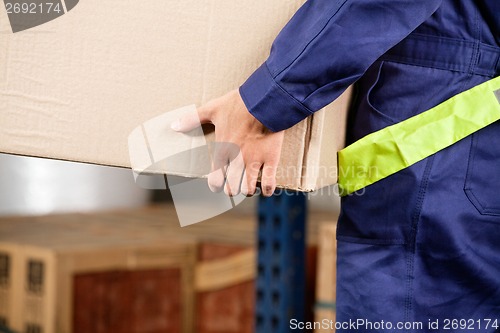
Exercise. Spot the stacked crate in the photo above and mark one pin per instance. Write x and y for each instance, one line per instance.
(128, 271)
(48, 283)
(5, 282)
(326, 276)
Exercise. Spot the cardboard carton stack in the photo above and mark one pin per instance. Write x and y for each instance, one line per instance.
(129, 271)
(51, 286)
(326, 275)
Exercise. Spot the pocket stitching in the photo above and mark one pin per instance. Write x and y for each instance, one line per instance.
(468, 189)
(369, 96)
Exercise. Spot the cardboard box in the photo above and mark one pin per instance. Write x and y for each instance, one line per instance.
(138, 301)
(134, 269)
(6, 296)
(76, 87)
(50, 286)
(225, 292)
(326, 275)
(225, 287)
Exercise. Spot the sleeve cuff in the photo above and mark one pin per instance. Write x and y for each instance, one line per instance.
(270, 103)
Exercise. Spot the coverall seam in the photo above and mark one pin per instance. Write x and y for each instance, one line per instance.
(424, 66)
(369, 101)
(470, 171)
(442, 67)
(412, 239)
(467, 78)
(280, 97)
(470, 164)
(324, 87)
(369, 241)
(469, 190)
(472, 63)
(279, 72)
(475, 53)
(442, 39)
(293, 99)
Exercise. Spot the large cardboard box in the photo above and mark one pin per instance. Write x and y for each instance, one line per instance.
(74, 88)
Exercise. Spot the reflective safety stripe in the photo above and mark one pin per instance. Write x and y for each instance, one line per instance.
(394, 148)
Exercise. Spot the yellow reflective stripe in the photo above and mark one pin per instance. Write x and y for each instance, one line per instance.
(394, 148)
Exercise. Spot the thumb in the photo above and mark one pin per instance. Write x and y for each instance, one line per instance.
(191, 121)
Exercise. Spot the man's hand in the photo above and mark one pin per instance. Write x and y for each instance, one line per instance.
(259, 148)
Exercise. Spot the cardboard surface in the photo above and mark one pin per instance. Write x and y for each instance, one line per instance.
(76, 87)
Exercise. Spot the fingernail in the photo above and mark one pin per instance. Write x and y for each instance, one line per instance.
(268, 191)
(214, 188)
(176, 125)
(227, 190)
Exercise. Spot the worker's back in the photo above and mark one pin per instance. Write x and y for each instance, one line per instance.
(467, 20)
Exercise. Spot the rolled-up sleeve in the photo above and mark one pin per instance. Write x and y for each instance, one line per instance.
(326, 47)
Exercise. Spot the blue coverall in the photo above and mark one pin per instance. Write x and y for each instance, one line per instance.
(423, 244)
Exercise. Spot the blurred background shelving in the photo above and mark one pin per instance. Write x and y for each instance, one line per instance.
(84, 249)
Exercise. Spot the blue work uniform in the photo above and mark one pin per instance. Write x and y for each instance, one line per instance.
(423, 245)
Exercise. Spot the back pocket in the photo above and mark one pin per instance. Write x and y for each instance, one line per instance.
(482, 184)
(402, 91)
